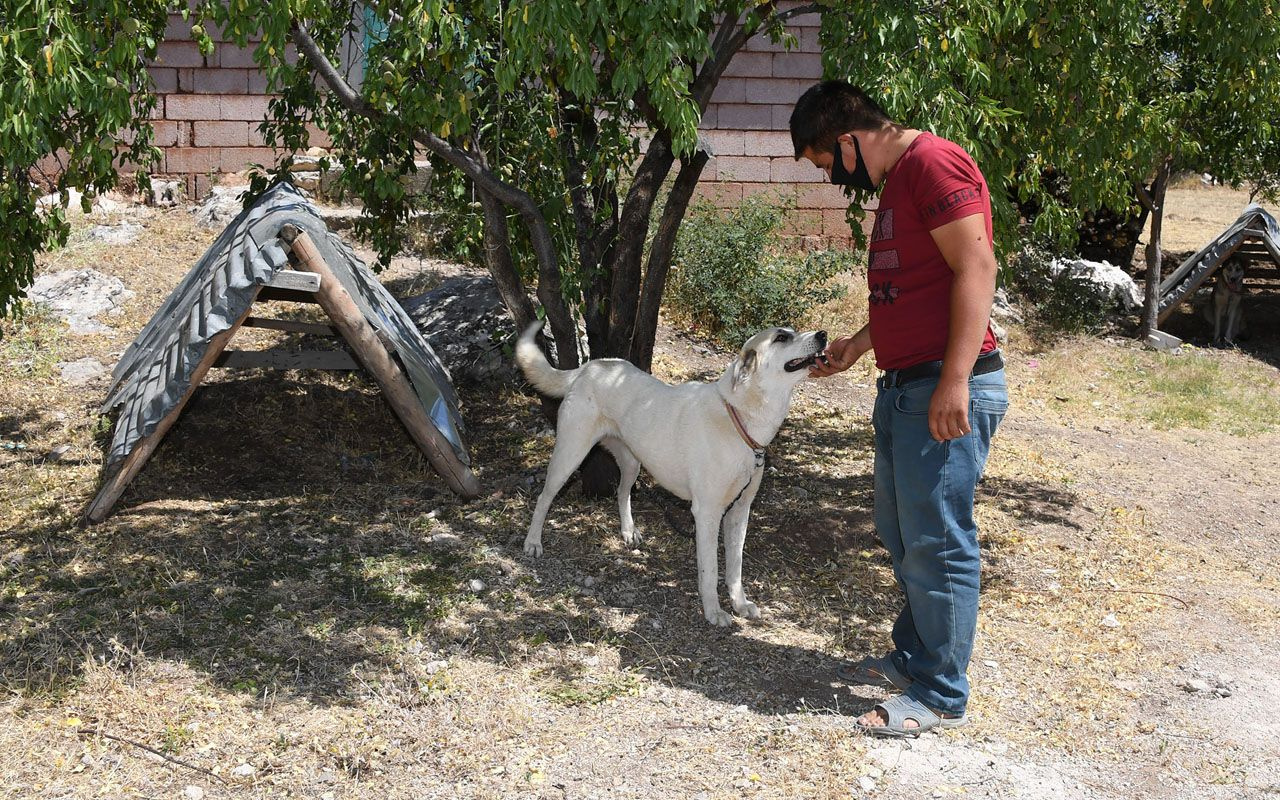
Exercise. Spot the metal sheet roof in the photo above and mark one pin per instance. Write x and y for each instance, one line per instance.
(155, 372)
(1254, 224)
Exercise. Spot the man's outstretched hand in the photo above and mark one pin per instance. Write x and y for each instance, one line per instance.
(840, 354)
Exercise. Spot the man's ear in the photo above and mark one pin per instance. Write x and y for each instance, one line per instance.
(743, 368)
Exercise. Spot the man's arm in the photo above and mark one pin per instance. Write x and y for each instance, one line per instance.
(842, 353)
(964, 245)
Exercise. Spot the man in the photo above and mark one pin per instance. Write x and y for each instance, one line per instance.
(931, 274)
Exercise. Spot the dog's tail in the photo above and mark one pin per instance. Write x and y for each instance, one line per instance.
(538, 370)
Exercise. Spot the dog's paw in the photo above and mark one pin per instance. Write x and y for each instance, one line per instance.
(718, 617)
(632, 538)
(533, 548)
(747, 609)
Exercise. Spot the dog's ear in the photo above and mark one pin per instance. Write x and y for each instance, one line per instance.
(743, 368)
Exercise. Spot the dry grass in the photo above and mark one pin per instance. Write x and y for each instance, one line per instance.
(287, 586)
(1195, 214)
(1192, 389)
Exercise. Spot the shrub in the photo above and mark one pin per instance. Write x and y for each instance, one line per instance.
(1061, 303)
(733, 273)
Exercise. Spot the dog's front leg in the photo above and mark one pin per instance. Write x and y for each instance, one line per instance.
(735, 534)
(706, 518)
(1233, 321)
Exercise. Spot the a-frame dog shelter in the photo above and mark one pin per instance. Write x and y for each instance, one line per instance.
(1255, 235)
(278, 249)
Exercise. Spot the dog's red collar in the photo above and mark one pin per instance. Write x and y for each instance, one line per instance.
(742, 429)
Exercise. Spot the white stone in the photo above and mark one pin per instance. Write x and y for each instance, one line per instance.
(124, 233)
(193, 793)
(866, 783)
(1110, 621)
(81, 371)
(244, 770)
(220, 207)
(78, 295)
(1112, 283)
(476, 585)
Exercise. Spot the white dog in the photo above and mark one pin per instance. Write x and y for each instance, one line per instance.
(1224, 310)
(703, 442)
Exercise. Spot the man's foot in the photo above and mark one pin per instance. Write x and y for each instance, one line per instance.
(904, 716)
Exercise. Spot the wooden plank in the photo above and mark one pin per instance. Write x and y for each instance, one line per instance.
(295, 280)
(292, 326)
(142, 450)
(277, 358)
(368, 348)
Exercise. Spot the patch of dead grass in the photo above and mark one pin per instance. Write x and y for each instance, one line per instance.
(1085, 378)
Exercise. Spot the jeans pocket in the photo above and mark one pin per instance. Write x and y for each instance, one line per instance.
(915, 399)
(989, 405)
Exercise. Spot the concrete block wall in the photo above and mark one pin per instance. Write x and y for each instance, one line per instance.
(209, 109)
(746, 128)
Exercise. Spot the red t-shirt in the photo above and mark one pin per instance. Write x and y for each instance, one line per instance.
(934, 182)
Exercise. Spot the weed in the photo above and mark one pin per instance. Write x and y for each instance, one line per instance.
(733, 275)
(594, 691)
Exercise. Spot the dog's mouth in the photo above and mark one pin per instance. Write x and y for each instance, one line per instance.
(797, 364)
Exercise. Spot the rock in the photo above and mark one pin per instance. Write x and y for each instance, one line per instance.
(124, 233)
(110, 203)
(78, 295)
(1001, 308)
(1111, 283)
(466, 324)
(58, 452)
(433, 667)
(220, 207)
(866, 783)
(244, 770)
(588, 581)
(476, 585)
(81, 371)
(164, 194)
(1110, 621)
(193, 793)
(1196, 686)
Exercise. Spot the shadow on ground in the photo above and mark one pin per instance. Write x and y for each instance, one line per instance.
(286, 537)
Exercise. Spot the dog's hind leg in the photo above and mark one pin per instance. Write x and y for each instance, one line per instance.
(572, 445)
(629, 469)
(735, 534)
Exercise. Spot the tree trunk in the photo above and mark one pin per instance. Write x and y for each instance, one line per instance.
(1151, 297)
(629, 249)
(660, 251)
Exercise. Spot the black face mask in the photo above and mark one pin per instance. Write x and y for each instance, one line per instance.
(859, 178)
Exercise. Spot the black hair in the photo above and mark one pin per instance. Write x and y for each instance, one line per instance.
(831, 108)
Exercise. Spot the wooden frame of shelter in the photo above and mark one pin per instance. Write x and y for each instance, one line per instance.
(156, 376)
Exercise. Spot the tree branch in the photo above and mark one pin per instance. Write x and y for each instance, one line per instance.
(549, 291)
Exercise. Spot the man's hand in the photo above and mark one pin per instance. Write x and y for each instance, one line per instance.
(949, 409)
(840, 354)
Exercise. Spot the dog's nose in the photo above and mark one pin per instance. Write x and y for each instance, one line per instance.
(821, 336)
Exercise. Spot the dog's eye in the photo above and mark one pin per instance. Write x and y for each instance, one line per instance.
(782, 336)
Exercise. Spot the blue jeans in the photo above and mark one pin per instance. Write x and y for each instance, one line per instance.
(924, 515)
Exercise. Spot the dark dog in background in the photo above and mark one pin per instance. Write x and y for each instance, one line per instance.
(1224, 308)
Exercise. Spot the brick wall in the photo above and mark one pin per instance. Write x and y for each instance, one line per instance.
(210, 108)
(746, 129)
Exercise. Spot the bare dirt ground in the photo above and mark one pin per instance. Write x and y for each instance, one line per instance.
(288, 603)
